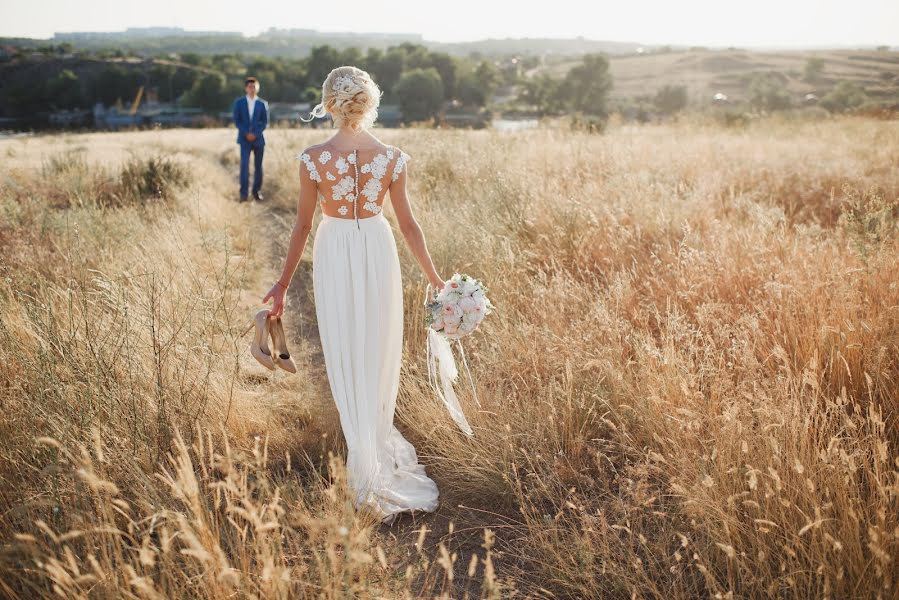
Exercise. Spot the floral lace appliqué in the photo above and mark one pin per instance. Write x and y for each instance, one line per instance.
(330, 176)
(343, 187)
(371, 189)
(398, 167)
(324, 157)
(310, 166)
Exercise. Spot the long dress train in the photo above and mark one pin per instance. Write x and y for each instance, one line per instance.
(359, 307)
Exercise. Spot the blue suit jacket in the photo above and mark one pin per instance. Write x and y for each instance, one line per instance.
(245, 124)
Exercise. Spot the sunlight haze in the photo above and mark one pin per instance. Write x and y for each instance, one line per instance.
(693, 22)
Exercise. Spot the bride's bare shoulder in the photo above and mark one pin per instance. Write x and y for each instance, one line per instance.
(315, 149)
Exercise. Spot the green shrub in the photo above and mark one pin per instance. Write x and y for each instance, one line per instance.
(671, 98)
(845, 96)
(768, 92)
(68, 180)
(155, 178)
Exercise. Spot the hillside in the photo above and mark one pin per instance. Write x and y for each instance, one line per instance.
(295, 43)
(706, 72)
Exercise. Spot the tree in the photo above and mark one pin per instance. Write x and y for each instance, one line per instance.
(814, 68)
(113, 83)
(586, 86)
(388, 70)
(541, 91)
(420, 94)
(417, 55)
(64, 90)
(768, 92)
(488, 77)
(845, 96)
(446, 66)
(351, 56)
(322, 60)
(469, 91)
(312, 94)
(372, 59)
(671, 98)
(208, 92)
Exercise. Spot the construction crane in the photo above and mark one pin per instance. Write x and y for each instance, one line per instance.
(136, 103)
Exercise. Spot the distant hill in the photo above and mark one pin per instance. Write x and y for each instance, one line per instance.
(535, 46)
(296, 43)
(706, 72)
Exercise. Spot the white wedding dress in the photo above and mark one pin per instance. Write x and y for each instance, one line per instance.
(359, 307)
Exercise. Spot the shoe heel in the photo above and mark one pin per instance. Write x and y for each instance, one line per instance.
(259, 346)
(280, 353)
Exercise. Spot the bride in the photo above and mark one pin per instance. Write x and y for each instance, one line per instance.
(358, 289)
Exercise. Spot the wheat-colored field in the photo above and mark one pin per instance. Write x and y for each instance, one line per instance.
(689, 388)
(706, 72)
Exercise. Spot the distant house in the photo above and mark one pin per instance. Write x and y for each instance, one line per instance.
(150, 114)
(390, 115)
(287, 113)
(172, 116)
(459, 116)
(69, 118)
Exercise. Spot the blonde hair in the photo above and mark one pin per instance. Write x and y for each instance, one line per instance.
(351, 97)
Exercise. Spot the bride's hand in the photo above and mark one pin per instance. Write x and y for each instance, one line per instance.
(437, 284)
(277, 295)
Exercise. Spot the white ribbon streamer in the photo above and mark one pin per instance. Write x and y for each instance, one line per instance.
(442, 374)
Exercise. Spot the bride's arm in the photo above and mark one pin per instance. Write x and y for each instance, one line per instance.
(411, 230)
(298, 237)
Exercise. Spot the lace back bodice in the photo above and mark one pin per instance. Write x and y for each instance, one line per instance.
(353, 184)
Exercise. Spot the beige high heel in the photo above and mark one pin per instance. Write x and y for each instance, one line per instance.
(259, 346)
(279, 341)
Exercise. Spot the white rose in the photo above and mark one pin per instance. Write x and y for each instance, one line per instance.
(468, 303)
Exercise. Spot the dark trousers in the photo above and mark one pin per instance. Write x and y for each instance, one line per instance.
(258, 150)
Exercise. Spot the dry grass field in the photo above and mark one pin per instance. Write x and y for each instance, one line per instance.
(689, 388)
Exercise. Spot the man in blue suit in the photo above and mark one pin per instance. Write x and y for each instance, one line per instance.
(251, 119)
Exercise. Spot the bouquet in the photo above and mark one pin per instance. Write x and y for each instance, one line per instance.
(455, 312)
(459, 307)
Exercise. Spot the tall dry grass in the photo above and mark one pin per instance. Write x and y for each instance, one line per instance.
(689, 388)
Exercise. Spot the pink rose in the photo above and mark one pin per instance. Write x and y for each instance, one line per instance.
(452, 319)
(451, 329)
(454, 284)
(437, 324)
(449, 309)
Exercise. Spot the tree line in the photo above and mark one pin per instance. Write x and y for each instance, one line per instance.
(418, 79)
(421, 81)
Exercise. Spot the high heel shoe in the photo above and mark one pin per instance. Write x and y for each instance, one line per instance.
(281, 355)
(259, 346)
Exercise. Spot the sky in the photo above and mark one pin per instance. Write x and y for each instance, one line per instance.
(763, 23)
